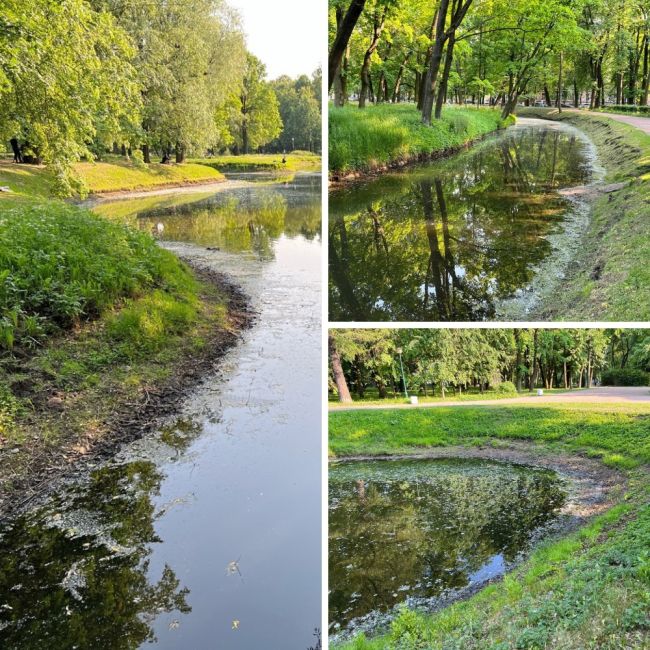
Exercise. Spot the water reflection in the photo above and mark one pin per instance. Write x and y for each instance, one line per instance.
(451, 240)
(413, 530)
(76, 575)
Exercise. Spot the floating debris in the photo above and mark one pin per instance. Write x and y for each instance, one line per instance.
(235, 624)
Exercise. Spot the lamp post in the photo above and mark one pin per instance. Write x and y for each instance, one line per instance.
(406, 393)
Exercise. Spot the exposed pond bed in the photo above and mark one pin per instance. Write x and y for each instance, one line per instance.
(426, 531)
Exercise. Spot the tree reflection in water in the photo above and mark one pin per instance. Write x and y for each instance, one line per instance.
(447, 240)
(76, 575)
(416, 529)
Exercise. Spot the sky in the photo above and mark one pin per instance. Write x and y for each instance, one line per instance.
(287, 35)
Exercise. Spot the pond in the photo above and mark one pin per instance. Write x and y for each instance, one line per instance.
(207, 533)
(484, 234)
(421, 532)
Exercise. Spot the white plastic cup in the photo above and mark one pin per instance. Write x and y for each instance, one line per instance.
(540, 392)
(414, 400)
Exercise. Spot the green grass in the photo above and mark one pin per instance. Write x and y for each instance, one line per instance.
(371, 397)
(611, 277)
(113, 175)
(589, 590)
(599, 430)
(625, 110)
(61, 265)
(295, 161)
(117, 175)
(363, 140)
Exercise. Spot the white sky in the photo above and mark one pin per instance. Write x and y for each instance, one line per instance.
(287, 35)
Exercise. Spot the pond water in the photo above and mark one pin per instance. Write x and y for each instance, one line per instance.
(482, 235)
(208, 533)
(420, 531)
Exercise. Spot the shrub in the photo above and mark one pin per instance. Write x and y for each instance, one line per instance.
(60, 264)
(625, 377)
(506, 387)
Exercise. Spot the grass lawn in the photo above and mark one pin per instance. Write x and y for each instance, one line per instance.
(588, 590)
(611, 277)
(296, 161)
(371, 397)
(363, 140)
(112, 175)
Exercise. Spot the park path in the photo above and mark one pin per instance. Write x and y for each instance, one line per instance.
(641, 123)
(600, 395)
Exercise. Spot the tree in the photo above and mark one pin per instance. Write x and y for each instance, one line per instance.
(66, 79)
(337, 370)
(257, 121)
(343, 33)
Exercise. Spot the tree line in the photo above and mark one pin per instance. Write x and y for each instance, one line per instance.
(82, 77)
(439, 360)
(496, 52)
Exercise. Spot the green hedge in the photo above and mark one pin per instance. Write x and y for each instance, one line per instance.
(626, 108)
(625, 377)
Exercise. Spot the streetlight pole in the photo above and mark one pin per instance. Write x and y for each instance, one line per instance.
(406, 393)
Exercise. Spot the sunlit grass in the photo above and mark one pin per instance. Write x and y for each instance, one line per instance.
(387, 133)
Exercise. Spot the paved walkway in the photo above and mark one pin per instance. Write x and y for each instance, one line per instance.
(600, 395)
(642, 123)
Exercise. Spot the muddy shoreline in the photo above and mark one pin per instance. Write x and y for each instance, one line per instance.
(48, 468)
(592, 488)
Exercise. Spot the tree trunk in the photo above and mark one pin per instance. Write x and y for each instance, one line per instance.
(366, 83)
(146, 154)
(442, 90)
(547, 96)
(342, 38)
(429, 86)
(337, 370)
(559, 84)
(180, 153)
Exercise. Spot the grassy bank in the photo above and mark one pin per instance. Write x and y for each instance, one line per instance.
(587, 590)
(379, 136)
(611, 277)
(112, 175)
(96, 322)
(295, 161)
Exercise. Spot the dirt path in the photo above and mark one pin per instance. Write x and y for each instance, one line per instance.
(182, 188)
(603, 394)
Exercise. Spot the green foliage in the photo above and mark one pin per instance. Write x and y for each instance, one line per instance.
(255, 114)
(146, 324)
(625, 377)
(66, 78)
(9, 408)
(300, 111)
(507, 387)
(384, 134)
(61, 264)
(626, 108)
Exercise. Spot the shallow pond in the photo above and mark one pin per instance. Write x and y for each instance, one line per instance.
(422, 531)
(208, 533)
(483, 234)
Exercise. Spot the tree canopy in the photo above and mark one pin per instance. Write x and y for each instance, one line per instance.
(82, 77)
(490, 52)
(458, 359)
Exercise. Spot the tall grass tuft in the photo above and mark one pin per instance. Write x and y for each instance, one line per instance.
(387, 133)
(60, 265)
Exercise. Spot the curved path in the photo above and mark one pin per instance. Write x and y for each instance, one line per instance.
(600, 395)
(641, 123)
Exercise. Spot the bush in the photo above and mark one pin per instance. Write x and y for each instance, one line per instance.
(60, 264)
(625, 377)
(506, 387)
(626, 108)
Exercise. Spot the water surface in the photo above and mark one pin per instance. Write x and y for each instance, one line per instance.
(481, 235)
(206, 534)
(416, 531)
